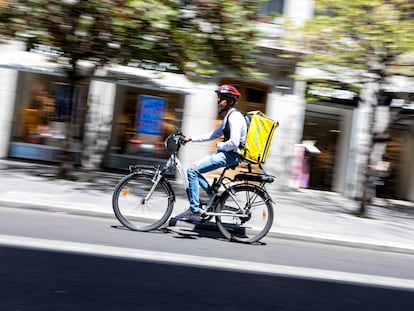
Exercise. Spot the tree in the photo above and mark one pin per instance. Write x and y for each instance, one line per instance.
(77, 30)
(365, 40)
(198, 37)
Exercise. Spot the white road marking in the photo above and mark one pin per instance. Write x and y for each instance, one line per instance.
(206, 262)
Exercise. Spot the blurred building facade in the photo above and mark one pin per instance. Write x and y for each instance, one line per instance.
(122, 115)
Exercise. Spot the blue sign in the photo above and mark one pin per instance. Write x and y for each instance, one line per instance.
(151, 112)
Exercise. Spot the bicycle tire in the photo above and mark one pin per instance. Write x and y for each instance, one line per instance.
(129, 206)
(259, 220)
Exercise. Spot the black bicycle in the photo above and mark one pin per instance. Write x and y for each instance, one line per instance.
(243, 210)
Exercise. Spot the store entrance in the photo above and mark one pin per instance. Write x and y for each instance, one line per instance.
(399, 153)
(320, 130)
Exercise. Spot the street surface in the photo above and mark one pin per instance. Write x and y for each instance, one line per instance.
(58, 261)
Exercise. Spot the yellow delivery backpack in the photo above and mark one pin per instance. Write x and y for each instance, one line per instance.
(260, 131)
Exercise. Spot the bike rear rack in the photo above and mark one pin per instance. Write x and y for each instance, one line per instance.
(261, 178)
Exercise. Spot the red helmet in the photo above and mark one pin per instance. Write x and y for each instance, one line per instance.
(228, 91)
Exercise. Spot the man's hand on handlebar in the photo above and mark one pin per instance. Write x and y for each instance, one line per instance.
(186, 140)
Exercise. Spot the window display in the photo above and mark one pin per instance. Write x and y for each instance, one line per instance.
(142, 120)
(47, 113)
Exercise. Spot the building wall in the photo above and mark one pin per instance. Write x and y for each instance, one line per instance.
(288, 110)
(8, 82)
(410, 192)
(299, 10)
(199, 116)
(346, 165)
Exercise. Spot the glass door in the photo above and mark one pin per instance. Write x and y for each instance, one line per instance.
(320, 139)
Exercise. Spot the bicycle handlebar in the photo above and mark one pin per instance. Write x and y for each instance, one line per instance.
(174, 141)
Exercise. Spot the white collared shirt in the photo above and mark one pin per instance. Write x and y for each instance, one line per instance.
(238, 131)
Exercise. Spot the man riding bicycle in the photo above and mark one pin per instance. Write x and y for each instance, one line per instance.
(233, 128)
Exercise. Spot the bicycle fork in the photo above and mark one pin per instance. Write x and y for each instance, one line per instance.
(155, 181)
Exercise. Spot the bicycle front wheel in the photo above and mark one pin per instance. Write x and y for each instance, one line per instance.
(139, 204)
(245, 213)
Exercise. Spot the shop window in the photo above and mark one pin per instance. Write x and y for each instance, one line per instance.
(142, 121)
(271, 7)
(46, 117)
(47, 113)
(320, 138)
(255, 95)
(398, 153)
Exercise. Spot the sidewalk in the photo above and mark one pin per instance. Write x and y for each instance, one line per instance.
(302, 215)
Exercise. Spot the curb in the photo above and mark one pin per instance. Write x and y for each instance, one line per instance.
(275, 233)
(341, 242)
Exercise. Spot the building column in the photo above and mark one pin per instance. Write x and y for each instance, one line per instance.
(98, 126)
(8, 83)
(289, 111)
(199, 117)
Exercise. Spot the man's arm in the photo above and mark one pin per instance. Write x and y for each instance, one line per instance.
(216, 133)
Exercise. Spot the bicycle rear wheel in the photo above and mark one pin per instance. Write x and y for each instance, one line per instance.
(134, 209)
(246, 213)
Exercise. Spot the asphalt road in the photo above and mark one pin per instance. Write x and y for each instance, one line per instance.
(55, 261)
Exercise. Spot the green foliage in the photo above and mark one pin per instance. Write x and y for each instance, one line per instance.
(79, 30)
(366, 35)
(195, 36)
(371, 36)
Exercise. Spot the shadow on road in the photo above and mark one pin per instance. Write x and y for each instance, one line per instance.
(48, 280)
(207, 230)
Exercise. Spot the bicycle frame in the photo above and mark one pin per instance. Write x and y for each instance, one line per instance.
(173, 163)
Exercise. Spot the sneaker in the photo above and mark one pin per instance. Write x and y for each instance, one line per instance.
(185, 216)
(196, 217)
(199, 216)
(191, 216)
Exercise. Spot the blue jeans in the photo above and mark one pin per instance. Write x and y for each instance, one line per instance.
(210, 163)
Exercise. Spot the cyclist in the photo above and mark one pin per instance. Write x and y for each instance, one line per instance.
(233, 128)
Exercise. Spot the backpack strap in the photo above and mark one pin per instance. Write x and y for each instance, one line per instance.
(226, 129)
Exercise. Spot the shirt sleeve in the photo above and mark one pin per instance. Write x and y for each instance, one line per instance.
(216, 133)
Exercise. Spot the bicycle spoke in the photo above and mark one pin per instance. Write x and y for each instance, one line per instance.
(135, 208)
(252, 220)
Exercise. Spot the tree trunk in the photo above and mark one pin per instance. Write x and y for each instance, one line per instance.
(368, 187)
(66, 164)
